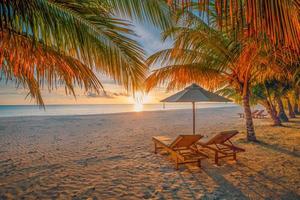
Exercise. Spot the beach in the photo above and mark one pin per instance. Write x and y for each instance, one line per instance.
(111, 156)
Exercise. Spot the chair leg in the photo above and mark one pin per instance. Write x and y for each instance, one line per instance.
(155, 151)
(234, 156)
(216, 158)
(199, 163)
(177, 164)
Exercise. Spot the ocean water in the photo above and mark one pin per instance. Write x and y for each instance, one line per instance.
(52, 110)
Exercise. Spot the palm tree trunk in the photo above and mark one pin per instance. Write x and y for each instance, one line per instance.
(271, 109)
(291, 111)
(248, 116)
(282, 116)
(272, 112)
(296, 108)
(296, 102)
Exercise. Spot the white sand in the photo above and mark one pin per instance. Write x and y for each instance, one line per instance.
(111, 157)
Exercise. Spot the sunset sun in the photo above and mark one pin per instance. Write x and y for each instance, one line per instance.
(138, 101)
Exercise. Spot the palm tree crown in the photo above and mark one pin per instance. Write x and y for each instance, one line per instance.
(276, 19)
(63, 42)
(203, 54)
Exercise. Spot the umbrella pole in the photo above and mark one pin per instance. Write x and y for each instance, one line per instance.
(194, 118)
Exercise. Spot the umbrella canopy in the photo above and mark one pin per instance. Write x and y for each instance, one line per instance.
(195, 93)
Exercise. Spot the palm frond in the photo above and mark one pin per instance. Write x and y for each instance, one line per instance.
(88, 32)
(230, 93)
(276, 19)
(34, 67)
(178, 76)
(156, 12)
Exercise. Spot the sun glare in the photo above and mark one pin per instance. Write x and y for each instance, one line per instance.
(138, 107)
(138, 102)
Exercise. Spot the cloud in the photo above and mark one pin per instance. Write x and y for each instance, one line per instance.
(100, 95)
(107, 94)
(123, 94)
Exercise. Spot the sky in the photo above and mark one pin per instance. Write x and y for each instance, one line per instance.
(149, 38)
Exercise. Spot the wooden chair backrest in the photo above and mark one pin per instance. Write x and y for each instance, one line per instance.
(185, 141)
(260, 112)
(222, 137)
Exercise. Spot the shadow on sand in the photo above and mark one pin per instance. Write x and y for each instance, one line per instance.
(277, 148)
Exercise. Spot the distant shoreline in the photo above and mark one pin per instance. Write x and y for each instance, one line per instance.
(99, 104)
(97, 109)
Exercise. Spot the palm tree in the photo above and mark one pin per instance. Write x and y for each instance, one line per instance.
(292, 114)
(287, 87)
(45, 42)
(296, 92)
(296, 100)
(275, 91)
(260, 93)
(214, 59)
(276, 19)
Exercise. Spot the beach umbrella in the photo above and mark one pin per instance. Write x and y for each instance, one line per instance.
(194, 93)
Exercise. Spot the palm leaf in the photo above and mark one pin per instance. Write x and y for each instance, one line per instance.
(36, 66)
(87, 32)
(156, 12)
(276, 19)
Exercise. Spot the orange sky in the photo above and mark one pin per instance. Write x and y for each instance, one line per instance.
(9, 95)
(149, 38)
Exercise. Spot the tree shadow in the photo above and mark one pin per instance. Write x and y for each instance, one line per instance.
(86, 194)
(31, 176)
(241, 182)
(223, 184)
(289, 195)
(277, 148)
(290, 126)
(186, 185)
(224, 187)
(270, 184)
(292, 121)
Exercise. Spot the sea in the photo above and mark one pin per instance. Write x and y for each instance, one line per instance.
(94, 109)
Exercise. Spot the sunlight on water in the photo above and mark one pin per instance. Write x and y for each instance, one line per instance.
(138, 107)
(53, 110)
(138, 102)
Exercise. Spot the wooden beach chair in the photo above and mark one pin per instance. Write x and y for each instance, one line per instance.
(182, 149)
(242, 115)
(260, 114)
(221, 145)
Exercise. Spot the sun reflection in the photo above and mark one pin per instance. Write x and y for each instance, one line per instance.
(138, 102)
(138, 107)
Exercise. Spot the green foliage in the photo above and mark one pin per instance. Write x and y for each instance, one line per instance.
(276, 20)
(88, 34)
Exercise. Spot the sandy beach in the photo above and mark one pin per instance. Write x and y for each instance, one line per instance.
(111, 157)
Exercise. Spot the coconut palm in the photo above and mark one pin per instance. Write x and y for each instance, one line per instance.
(263, 93)
(292, 114)
(259, 94)
(276, 19)
(279, 91)
(55, 42)
(213, 59)
(287, 87)
(296, 100)
(296, 92)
